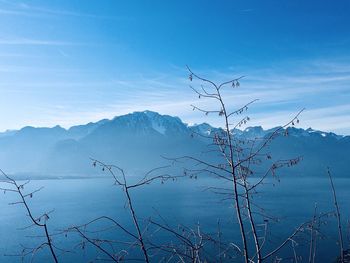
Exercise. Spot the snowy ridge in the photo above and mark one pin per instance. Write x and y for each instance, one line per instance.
(137, 140)
(164, 125)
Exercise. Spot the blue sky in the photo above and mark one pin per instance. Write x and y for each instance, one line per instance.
(71, 62)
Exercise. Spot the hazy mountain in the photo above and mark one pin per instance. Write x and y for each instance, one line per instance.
(7, 133)
(79, 131)
(137, 141)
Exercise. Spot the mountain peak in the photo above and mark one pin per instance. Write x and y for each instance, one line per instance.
(142, 136)
(149, 120)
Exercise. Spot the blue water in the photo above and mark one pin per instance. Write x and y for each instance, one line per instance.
(76, 201)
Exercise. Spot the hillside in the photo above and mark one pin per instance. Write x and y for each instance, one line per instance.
(137, 141)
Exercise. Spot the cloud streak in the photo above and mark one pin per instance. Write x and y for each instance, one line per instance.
(37, 42)
(24, 9)
(324, 95)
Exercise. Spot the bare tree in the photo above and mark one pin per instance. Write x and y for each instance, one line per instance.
(181, 246)
(238, 155)
(337, 214)
(12, 185)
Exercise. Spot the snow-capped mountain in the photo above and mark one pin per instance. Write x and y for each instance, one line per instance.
(137, 141)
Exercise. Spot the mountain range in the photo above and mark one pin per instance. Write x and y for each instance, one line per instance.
(137, 141)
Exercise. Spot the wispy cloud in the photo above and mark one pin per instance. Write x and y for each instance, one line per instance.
(19, 55)
(13, 12)
(324, 95)
(334, 118)
(37, 42)
(25, 9)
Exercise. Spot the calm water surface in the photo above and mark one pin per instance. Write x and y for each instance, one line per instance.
(77, 201)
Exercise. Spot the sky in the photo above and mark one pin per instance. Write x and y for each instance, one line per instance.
(71, 62)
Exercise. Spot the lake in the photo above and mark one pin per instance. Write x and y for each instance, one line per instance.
(76, 201)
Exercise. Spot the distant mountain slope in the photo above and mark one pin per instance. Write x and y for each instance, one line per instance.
(137, 141)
